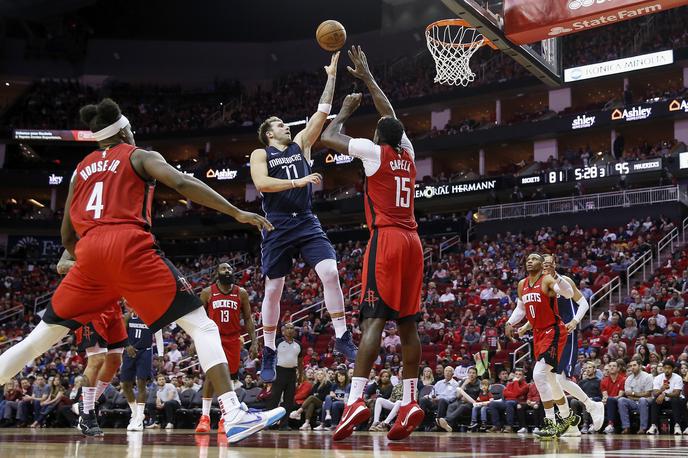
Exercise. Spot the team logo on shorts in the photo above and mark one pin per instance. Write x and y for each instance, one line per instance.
(87, 333)
(371, 298)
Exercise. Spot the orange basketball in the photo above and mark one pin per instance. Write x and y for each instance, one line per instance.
(331, 35)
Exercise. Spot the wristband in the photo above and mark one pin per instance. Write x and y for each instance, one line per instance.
(293, 185)
(325, 108)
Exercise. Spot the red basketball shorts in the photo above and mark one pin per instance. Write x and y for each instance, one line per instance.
(392, 275)
(232, 348)
(549, 344)
(120, 261)
(106, 331)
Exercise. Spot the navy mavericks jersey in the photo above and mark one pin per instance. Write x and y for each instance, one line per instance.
(567, 308)
(287, 165)
(140, 337)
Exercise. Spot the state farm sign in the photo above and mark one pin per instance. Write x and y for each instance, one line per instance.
(527, 21)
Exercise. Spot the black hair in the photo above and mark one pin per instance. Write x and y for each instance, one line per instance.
(668, 362)
(97, 117)
(390, 131)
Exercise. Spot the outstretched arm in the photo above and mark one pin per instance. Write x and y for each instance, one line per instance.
(265, 183)
(332, 137)
(67, 231)
(362, 72)
(309, 135)
(153, 165)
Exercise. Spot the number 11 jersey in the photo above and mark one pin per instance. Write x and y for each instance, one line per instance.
(289, 164)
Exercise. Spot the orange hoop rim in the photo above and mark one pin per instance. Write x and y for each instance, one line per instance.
(457, 23)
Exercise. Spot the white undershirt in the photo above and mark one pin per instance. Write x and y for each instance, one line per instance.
(369, 153)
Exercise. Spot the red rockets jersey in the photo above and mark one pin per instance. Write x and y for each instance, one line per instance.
(541, 310)
(225, 310)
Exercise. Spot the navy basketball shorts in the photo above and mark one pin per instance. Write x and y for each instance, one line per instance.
(569, 355)
(138, 367)
(293, 235)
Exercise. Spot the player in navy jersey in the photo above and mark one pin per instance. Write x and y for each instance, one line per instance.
(282, 173)
(571, 312)
(137, 365)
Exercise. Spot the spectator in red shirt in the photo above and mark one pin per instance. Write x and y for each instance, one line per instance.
(515, 393)
(596, 339)
(534, 403)
(612, 387)
(612, 327)
(448, 355)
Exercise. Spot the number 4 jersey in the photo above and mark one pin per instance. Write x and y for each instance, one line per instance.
(390, 183)
(107, 190)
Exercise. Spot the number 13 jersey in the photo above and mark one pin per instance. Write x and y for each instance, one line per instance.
(108, 191)
(390, 183)
(225, 310)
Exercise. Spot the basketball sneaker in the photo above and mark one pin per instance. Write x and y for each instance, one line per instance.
(354, 415)
(563, 424)
(548, 431)
(203, 424)
(346, 346)
(221, 426)
(138, 424)
(241, 423)
(573, 431)
(596, 411)
(408, 419)
(268, 367)
(88, 424)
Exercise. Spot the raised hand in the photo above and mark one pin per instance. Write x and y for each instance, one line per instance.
(358, 58)
(352, 102)
(331, 69)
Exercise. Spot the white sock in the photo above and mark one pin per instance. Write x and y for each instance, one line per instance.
(339, 326)
(409, 391)
(100, 388)
(574, 390)
(141, 410)
(269, 339)
(549, 413)
(564, 410)
(229, 406)
(358, 384)
(206, 406)
(89, 395)
(132, 407)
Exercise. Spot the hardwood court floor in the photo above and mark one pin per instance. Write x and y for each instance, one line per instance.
(63, 443)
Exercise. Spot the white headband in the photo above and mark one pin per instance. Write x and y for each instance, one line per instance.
(111, 130)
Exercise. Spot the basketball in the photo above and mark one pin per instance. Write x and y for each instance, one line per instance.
(331, 35)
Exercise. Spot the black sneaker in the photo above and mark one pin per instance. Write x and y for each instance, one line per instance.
(563, 424)
(88, 424)
(550, 430)
(473, 428)
(346, 346)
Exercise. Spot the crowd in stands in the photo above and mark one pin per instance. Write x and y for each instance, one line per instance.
(469, 294)
(54, 104)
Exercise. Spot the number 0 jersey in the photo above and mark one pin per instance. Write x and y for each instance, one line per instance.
(390, 183)
(225, 310)
(541, 310)
(108, 191)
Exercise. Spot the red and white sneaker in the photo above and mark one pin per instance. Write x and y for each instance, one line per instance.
(203, 424)
(354, 415)
(408, 419)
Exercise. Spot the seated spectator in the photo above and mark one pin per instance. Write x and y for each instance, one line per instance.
(13, 394)
(448, 355)
(392, 342)
(472, 336)
(166, 403)
(667, 390)
(392, 404)
(616, 348)
(333, 407)
(642, 342)
(630, 332)
(652, 328)
(466, 395)
(661, 319)
(612, 387)
(321, 388)
(534, 403)
(515, 393)
(637, 398)
(57, 393)
(675, 303)
(480, 407)
(427, 379)
(447, 298)
(443, 393)
(612, 327)
(303, 390)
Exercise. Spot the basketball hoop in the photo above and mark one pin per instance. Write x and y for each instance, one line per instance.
(452, 42)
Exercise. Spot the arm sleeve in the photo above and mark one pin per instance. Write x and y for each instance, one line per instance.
(518, 314)
(563, 288)
(407, 145)
(159, 343)
(368, 152)
(583, 308)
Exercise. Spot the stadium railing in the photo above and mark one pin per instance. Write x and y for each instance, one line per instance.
(10, 313)
(606, 292)
(591, 202)
(670, 240)
(446, 244)
(644, 262)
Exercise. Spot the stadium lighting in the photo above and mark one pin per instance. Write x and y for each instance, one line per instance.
(36, 203)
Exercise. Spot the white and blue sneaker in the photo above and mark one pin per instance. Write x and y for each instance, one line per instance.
(346, 346)
(268, 367)
(247, 422)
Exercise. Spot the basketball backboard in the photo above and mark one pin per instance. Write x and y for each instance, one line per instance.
(543, 59)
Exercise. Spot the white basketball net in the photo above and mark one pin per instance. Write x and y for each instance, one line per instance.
(452, 47)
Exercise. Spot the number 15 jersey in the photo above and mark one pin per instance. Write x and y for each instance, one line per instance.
(108, 191)
(390, 183)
